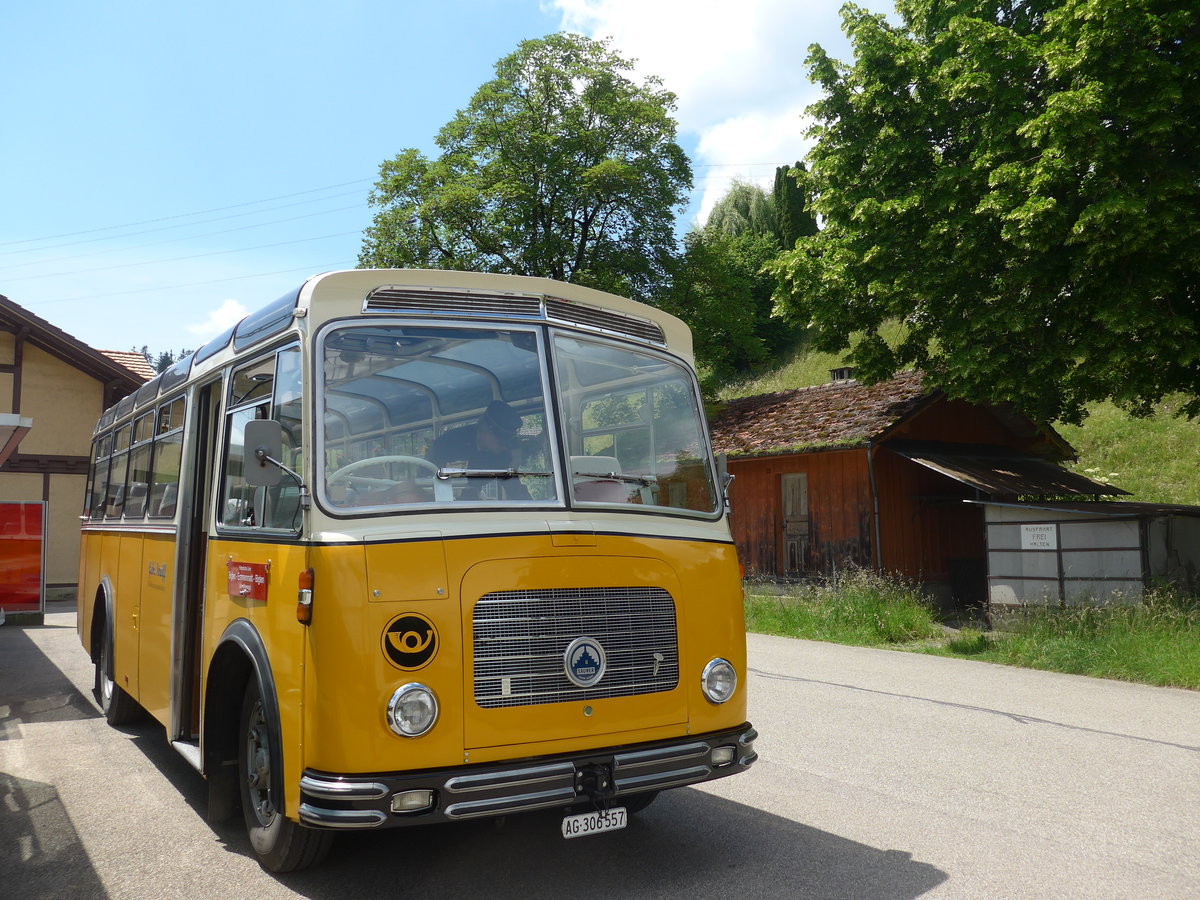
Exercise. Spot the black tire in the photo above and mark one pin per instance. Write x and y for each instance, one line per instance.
(279, 844)
(118, 707)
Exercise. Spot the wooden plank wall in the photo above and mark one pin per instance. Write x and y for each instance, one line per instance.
(838, 509)
(926, 531)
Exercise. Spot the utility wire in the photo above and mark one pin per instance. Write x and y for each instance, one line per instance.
(167, 227)
(202, 212)
(190, 237)
(328, 267)
(156, 262)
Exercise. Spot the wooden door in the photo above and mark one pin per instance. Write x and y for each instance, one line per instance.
(795, 522)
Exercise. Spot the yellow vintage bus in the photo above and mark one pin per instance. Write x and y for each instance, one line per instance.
(408, 547)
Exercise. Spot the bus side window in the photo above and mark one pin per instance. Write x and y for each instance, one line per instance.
(267, 388)
(168, 446)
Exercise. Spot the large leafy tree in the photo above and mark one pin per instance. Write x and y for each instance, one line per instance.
(561, 166)
(793, 219)
(1018, 183)
(745, 209)
(723, 290)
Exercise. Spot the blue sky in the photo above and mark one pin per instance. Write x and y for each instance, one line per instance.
(167, 167)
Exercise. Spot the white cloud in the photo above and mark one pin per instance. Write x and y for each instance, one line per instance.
(738, 70)
(225, 316)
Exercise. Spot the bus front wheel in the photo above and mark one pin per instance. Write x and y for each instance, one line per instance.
(280, 844)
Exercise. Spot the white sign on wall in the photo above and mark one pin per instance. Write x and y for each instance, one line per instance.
(1039, 537)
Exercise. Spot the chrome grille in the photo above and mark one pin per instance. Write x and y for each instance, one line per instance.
(520, 638)
(439, 302)
(603, 319)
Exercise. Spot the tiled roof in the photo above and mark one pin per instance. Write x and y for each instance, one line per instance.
(840, 414)
(133, 361)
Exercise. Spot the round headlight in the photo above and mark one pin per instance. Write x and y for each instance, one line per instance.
(412, 710)
(719, 680)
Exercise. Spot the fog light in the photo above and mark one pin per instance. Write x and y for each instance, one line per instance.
(412, 801)
(719, 680)
(412, 710)
(722, 756)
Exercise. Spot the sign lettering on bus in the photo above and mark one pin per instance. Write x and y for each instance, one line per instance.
(248, 581)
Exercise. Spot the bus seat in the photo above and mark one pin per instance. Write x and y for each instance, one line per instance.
(166, 503)
(587, 473)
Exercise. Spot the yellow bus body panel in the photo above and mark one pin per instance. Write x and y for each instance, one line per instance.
(360, 590)
(154, 642)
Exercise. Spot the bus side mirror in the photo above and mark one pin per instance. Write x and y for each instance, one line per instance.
(264, 447)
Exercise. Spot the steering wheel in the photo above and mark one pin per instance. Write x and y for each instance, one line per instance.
(349, 469)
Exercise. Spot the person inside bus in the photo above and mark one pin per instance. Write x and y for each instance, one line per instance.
(491, 443)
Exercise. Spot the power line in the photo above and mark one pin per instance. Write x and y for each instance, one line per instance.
(190, 237)
(202, 212)
(169, 227)
(156, 262)
(328, 267)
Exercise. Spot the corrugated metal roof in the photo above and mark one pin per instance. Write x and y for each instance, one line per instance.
(1001, 472)
(1104, 509)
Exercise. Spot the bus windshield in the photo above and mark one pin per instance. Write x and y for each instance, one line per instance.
(417, 415)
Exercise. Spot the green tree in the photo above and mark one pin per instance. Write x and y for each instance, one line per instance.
(723, 290)
(1016, 182)
(745, 209)
(561, 166)
(791, 213)
(163, 360)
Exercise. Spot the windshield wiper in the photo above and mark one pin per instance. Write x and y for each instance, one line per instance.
(445, 473)
(644, 480)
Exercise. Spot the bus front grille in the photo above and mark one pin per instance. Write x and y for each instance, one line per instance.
(520, 638)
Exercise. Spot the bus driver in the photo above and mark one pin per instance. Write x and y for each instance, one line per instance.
(491, 443)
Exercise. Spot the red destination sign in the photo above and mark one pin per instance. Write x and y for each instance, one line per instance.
(248, 581)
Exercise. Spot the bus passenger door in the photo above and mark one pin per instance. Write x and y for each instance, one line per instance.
(196, 491)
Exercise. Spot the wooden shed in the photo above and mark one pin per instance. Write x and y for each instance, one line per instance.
(845, 474)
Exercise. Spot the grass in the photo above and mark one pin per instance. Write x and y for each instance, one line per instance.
(804, 368)
(861, 608)
(1155, 641)
(1154, 458)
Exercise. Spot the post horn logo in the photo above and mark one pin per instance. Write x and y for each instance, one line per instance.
(409, 641)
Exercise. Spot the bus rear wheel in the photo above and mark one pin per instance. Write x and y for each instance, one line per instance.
(280, 844)
(118, 707)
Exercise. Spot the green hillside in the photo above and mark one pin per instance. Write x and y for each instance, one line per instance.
(1157, 459)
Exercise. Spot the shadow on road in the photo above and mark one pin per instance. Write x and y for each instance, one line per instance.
(40, 851)
(689, 843)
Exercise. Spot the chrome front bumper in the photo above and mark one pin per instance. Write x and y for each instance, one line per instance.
(470, 792)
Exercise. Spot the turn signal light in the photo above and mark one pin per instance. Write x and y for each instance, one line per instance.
(304, 598)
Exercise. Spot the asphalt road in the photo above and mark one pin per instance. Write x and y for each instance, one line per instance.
(882, 775)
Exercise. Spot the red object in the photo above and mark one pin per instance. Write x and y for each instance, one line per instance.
(248, 580)
(21, 539)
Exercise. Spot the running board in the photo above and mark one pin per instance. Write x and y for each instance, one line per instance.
(190, 752)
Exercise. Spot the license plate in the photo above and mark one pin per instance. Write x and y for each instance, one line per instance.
(594, 822)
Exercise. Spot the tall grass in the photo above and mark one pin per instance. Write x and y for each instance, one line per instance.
(1155, 641)
(861, 608)
(1154, 458)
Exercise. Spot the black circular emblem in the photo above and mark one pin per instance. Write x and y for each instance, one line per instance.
(409, 641)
